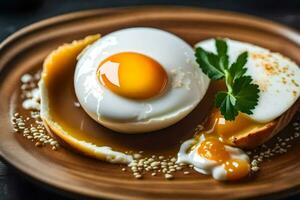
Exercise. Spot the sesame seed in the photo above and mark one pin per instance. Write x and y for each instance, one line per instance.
(137, 156)
(153, 164)
(38, 144)
(178, 168)
(255, 168)
(254, 162)
(169, 176)
(138, 176)
(161, 157)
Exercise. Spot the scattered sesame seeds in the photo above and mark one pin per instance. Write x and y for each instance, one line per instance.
(31, 127)
(155, 165)
(280, 146)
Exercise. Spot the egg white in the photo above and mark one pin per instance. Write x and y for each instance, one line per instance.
(204, 165)
(275, 96)
(186, 86)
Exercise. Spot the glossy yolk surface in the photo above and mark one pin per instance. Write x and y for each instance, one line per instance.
(226, 130)
(213, 149)
(236, 169)
(132, 75)
(218, 133)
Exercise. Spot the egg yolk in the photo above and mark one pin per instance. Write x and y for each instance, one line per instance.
(132, 75)
(226, 130)
(218, 133)
(236, 169)
(213, 149)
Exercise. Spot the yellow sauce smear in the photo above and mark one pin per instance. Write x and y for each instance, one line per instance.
(213, 149)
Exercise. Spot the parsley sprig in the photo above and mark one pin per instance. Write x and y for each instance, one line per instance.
(242, 94)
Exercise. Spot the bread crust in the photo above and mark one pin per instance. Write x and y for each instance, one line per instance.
(269, 130)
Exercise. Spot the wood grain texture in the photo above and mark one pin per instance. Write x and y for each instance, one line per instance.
(68, 171)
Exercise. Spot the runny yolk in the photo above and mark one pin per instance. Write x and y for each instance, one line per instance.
(218, 132)
(226, 130)
(236, 169)
(132, 75)
(213, 149)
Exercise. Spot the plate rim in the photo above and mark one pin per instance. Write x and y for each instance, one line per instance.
(86, 12)
(294, 36)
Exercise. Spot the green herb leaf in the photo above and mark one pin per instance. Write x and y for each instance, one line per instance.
(227, 105)
(221, 46)
(238, 68)
(241, 95)
(209, 63)
(246, 93)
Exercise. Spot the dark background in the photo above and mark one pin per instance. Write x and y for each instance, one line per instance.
(15, 14)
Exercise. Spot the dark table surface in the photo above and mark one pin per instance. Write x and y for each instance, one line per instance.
(15, 14)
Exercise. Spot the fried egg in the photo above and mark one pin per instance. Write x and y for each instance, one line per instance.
(278, 79)
(277, 76)
(139, 80)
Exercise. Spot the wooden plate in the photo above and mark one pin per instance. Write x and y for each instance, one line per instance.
(77, 174)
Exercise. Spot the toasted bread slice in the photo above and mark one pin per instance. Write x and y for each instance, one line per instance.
(259, 136)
